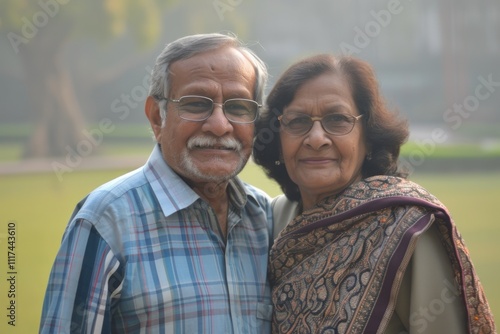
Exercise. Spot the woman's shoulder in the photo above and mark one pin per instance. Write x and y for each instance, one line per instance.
(380, 186)
(284, 211)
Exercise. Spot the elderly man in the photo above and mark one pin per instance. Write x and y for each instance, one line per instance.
(179, 245)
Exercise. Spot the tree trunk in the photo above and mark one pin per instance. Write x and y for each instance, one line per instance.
(57, 118)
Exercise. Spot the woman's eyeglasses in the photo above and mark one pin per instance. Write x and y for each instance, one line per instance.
(335, 124)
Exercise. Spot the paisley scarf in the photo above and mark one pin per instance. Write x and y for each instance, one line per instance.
(337, 268)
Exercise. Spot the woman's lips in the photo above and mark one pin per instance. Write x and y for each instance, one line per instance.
(317, 161)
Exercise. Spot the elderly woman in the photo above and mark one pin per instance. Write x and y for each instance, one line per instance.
(364, 250)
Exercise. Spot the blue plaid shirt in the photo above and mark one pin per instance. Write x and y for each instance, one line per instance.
(141, 256)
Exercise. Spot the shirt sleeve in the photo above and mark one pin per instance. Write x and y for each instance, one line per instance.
(428, 300)
(84, 279)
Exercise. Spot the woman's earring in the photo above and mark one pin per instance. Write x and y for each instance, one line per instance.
(280, 160)
(369, 156)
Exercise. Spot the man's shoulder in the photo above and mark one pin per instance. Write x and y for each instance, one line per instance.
(111, 192)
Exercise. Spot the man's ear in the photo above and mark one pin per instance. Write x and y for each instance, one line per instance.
(152, 111)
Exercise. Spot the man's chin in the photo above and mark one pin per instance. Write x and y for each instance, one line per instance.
(214, 173)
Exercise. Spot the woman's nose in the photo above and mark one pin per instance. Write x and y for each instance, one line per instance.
(317, 137)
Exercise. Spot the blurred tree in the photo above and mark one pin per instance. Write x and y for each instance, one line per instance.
(39, 32)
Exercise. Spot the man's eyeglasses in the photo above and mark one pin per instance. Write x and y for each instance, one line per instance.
(335, 124)
(199, 108)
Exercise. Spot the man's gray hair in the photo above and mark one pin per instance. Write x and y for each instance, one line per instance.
(189, 46)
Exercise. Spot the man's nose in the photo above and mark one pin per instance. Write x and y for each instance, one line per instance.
(218, 123)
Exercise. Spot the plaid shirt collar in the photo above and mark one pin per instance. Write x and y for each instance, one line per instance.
(174, 194)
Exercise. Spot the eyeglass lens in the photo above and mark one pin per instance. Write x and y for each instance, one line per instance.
(199, 108)
(335, 124)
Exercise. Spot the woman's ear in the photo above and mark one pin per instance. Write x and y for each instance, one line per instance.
(152, 111)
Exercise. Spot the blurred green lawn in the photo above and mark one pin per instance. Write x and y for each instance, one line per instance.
(40, 206)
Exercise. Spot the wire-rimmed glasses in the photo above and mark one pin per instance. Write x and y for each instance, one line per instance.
(336, 124)
(199, 108)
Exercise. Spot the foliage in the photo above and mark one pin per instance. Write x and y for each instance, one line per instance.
(100, 19)
(40, 33)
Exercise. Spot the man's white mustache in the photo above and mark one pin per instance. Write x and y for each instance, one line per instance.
(217, 143)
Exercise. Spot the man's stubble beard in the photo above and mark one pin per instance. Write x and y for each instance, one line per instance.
(191, 170)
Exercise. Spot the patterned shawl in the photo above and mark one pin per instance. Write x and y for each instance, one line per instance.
(337, 268)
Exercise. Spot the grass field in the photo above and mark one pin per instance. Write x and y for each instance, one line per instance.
(38, 205)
